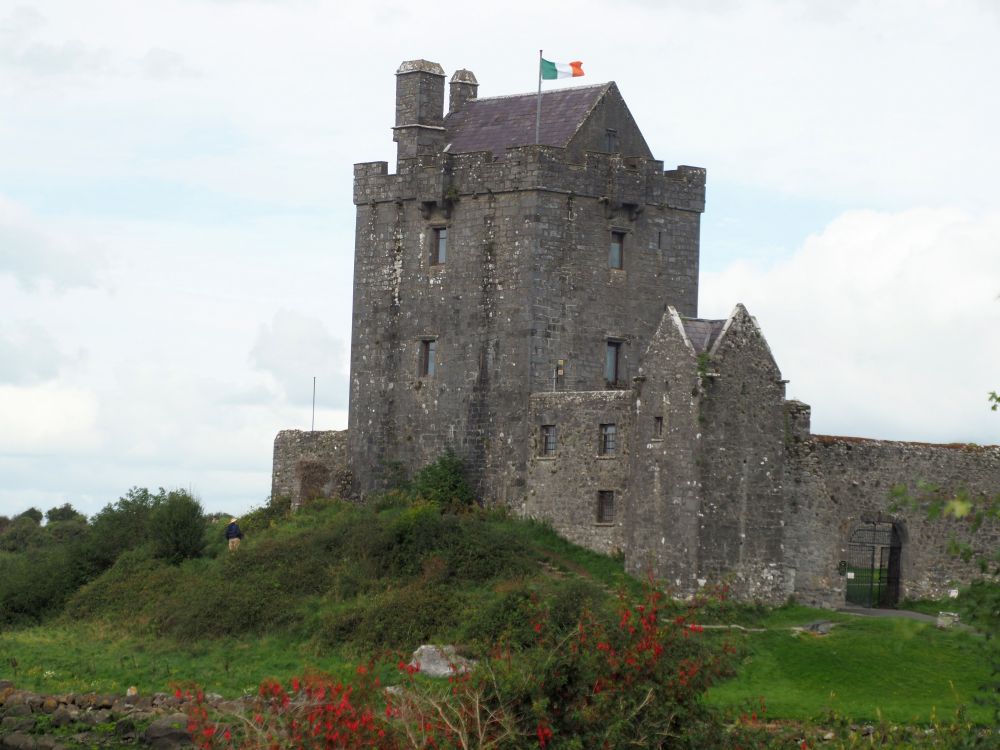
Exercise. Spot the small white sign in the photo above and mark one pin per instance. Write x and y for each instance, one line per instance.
(850, 574)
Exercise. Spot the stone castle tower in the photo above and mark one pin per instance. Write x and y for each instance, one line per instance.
(488, 268)
(533, 307)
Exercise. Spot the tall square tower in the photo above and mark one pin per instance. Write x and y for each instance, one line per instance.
(489, 267)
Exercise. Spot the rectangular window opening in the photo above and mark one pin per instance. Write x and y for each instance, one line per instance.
(612, 362)
(428, 357)
(439, 250)
(616, 250)
(609, 440)
(658, 427)
(611, 140)
(605, 506)
(548, 440)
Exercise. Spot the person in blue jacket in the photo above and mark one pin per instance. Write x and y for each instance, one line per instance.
(233, 534)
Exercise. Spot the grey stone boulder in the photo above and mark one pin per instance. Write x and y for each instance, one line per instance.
(125, 730)
(65, 715)
(440, 661)
(17, 709)
(18, 741)
(168, 733)
(17, 724)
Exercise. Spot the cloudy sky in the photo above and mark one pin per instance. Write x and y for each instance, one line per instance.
(176, 226)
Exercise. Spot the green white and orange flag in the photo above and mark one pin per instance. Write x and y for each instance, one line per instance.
(551, 70)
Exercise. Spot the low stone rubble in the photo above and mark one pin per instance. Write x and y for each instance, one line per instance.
(30, 721)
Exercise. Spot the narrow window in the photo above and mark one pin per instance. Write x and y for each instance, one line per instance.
(612, 362)
(548, 439)
(658, 427)
(609, 440)
(605, 506)
(661, 240)
(610, 140)
(616, 251)
(428, 357)
(439, 251)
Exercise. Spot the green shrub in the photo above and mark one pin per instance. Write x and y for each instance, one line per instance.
(443, 482)
(266, 516)
(177, 527)
(397, 619)
(125, 592)
(503, 618)
(36, 584)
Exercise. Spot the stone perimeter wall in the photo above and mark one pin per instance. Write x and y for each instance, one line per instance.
(832, 484)
(310, 465)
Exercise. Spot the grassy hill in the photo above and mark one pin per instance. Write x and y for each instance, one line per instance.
(336, 584)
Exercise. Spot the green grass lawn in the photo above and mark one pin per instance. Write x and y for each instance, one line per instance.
(865, 668)
(899, 670)
(89, 658)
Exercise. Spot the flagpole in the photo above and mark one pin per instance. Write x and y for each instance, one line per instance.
(538, 107)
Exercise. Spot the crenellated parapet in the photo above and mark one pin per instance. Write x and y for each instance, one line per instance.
(622, 183)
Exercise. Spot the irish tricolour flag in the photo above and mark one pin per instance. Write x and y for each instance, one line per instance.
(552, 70)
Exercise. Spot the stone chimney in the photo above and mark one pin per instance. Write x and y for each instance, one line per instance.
(419, 126)
(797, 421)
(462, 88)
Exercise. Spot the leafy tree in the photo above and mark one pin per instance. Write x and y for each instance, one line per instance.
(177, 526)
(121, 526)
(23, 534)
(65, 512)
(34, 514)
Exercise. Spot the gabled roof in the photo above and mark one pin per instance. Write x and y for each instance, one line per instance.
(702, 333)
(498, 123)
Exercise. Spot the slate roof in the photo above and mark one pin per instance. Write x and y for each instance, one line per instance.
(499, 122)
(702, 333)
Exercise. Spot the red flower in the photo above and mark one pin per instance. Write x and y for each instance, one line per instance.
(544, 735)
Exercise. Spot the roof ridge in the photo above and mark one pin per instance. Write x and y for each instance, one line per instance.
(535, 93)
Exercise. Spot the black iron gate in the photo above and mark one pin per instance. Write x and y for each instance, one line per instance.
(873, 556)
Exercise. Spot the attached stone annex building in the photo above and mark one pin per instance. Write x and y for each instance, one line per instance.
(535, 309)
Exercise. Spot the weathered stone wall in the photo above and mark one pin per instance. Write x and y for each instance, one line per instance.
(742, 456)
(664, 494)
(310, 465)
(563, 488)
(610, 114)
(834, 483)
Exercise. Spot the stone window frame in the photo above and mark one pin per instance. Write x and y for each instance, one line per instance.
(605, 511)
(611, 143)
(607, 440)
(616, 241)
(613, 367)
(657, 427)
(428, 364)
(439, 245)
(548, 443)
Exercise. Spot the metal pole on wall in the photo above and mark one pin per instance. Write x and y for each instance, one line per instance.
(312, 427)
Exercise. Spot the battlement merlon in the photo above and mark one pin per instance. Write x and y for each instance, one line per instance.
(448, 177)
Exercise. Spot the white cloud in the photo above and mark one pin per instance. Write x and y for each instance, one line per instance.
(884, 322)
(28, 354)
(294, 349)
(31, 253)
(47, 419)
